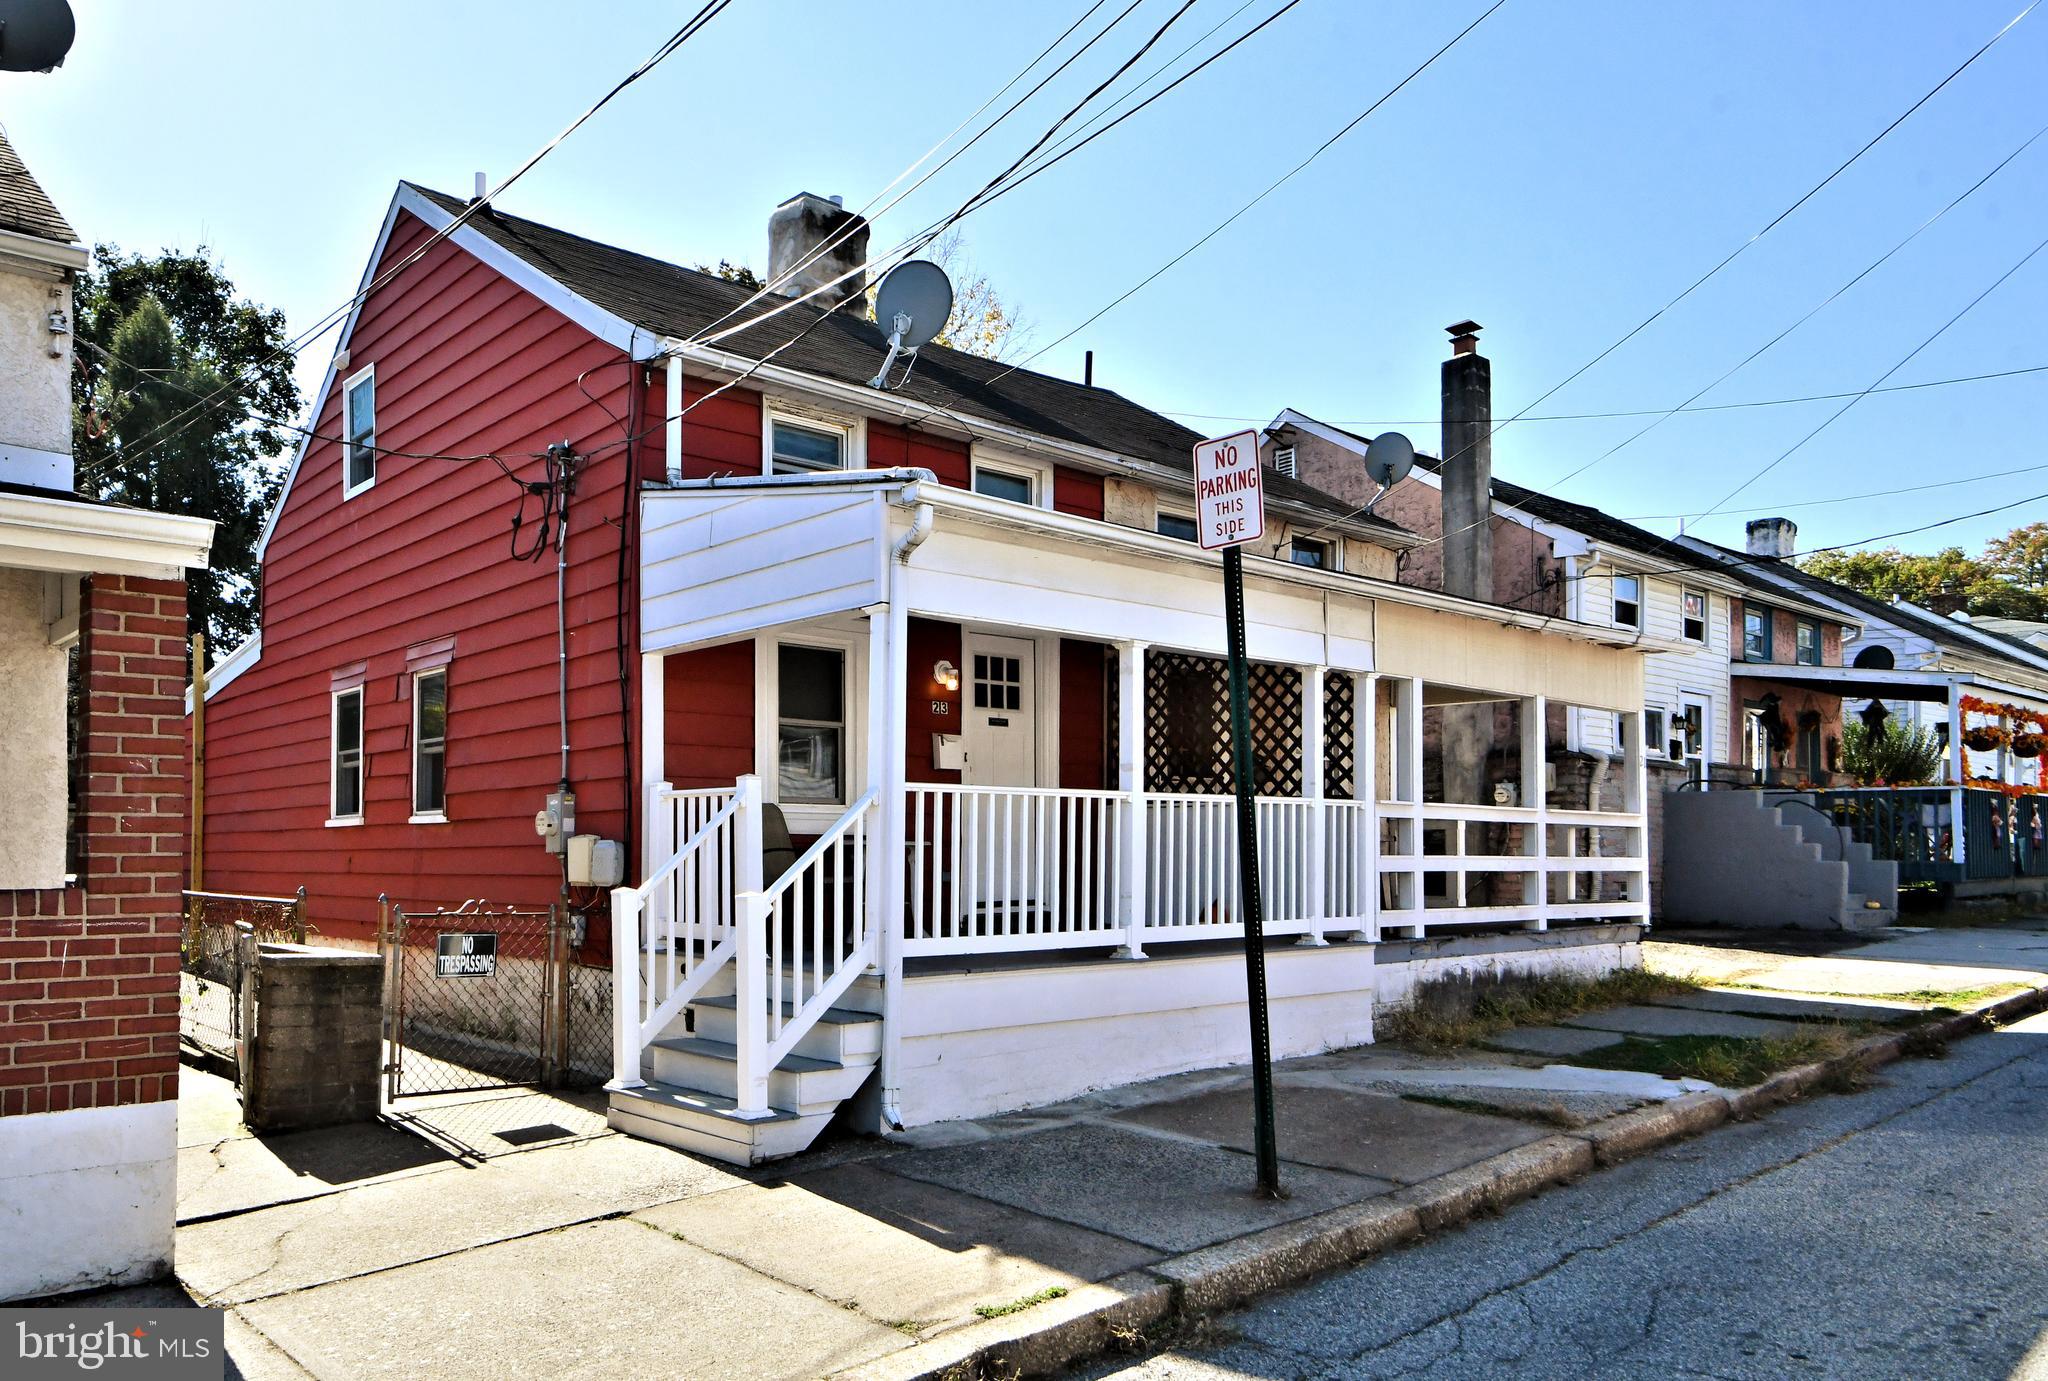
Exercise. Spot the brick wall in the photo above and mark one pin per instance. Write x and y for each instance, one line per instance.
(89, 974)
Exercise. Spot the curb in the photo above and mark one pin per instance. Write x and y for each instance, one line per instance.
(1094, 1318)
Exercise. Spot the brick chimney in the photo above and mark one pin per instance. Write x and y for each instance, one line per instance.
(1468, 554)
(803, 224)
(1468, 466)
(1777, 538)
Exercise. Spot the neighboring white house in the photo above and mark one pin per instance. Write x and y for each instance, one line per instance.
(1918, 664)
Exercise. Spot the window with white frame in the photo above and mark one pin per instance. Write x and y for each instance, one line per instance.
(345, 796)
(802, 445)
(1018, 481)
(810, 736)
(1310, 551)
(430, 744)
(1628, 601)
(359, 431)
(1655, 743)
(1806, 643)
(1692, 616)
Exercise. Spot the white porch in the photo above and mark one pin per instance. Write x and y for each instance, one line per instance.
(1092, 912)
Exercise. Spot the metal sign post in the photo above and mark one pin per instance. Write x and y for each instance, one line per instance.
(1230, 511)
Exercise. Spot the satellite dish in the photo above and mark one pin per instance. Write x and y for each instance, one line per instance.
(1388, 459)
(912, 305)
(35, 34)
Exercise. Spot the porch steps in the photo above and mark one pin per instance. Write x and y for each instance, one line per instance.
(1758, 858)
(689, 1101)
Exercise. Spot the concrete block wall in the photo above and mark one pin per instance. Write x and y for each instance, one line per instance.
(89, 975)
(315, 1048)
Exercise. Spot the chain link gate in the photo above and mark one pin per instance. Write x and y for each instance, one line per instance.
(474, 998)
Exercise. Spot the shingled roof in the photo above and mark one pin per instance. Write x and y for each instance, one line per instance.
(24, 207)
(845, 347)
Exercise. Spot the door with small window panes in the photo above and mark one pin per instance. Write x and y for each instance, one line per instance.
(999, 702)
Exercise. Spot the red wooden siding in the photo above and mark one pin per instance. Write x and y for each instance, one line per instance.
(708, 706)
(720, 437)
(1084, 716)
(890, 446)
(465, 362)
(931, 642)
(1076, 492)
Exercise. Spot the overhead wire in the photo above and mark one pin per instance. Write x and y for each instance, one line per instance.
(691, 27)
(1494, 428)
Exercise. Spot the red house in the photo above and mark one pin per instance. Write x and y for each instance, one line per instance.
(574, 518)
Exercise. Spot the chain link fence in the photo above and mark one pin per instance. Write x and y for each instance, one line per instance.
(210, 977)
(482, 997)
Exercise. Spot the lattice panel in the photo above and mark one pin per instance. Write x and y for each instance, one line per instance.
(1340, 733)
(1187, 711)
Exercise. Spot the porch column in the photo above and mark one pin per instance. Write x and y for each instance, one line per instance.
(888, 680)
(1536, 829)
(1635, 784)
(1958, 771)
(657, 824)
(1407, 782)
(1312, 792)
(1131, 734)
(1364, 842)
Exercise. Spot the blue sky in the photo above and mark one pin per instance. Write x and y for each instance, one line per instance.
(1560, 174)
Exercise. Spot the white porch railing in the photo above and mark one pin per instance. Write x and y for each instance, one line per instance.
(994, 869)
(1442, 864)
(795, 944)
(1192, 867)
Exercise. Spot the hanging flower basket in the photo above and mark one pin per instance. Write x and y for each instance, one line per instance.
(2028, 745)
(1982, 740)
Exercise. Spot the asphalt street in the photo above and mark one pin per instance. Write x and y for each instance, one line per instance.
(1901, 1231)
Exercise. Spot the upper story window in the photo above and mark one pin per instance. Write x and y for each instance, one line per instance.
(345, 798)
(1628, 601)
(1017, 480)
(359, 429)
(1177, 525)
(804, 447)
(430, 744)
(1807, 644)
(1756, 634)
(1308, 551)
(1692, 616)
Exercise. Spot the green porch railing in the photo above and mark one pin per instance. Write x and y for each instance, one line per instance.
(1918, 829)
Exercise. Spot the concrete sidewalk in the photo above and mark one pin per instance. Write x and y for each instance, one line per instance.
(512, 1235)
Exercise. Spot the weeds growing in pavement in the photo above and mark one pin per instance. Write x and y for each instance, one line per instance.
(1729, 1061)
(1018, 1306)
(1450, 1013)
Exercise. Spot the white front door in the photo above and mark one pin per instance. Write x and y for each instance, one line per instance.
(1006, 840)
(1001, 706)
(1693, 734)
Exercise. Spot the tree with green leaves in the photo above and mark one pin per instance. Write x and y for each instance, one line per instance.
(1999, 583)
(182, 402)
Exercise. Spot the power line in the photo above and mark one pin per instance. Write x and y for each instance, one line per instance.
(1648, 412)
(710, 11)
(1857, 398)
(1777, 220)
(1271, 188)
(1811, 312)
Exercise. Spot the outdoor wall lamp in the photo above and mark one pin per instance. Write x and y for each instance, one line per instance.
(947, 675)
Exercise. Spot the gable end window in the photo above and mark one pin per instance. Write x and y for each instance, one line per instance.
(430, 745)
(1807, 645)
(1692, 616)
(1628, 601)
(1756, 634)
(359, 432)
(345, 795)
